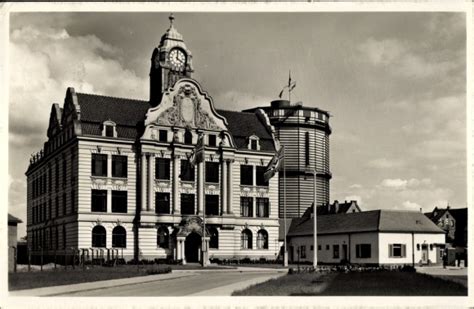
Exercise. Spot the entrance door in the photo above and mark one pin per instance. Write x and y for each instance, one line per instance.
(192, 247)
(424, 254)
(344, 252)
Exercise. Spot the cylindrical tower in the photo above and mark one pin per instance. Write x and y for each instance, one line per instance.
(304, 131)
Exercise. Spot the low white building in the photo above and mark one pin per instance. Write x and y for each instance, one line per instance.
(373, 237)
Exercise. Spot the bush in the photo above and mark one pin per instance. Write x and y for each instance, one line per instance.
(158, 270)
(408, 269)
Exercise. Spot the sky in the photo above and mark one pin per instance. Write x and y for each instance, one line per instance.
(394, 84)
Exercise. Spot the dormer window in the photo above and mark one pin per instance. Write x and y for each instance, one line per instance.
(109, 129)
(163, 135)
(254, 142)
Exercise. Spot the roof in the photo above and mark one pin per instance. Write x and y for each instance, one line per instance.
(330, 209)
(242, 125)
(129, 113)
(369, 221)
(13, 219)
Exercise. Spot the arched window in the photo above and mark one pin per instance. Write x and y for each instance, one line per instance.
(99, 236)
(262, 239)
(214, 239)
(246, 239)
(188, 137)
(163, 237)
(119, 237)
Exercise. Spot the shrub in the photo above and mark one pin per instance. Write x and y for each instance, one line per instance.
(408, 268)
(158, 270)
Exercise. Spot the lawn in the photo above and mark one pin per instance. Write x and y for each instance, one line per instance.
(50, 277)
(60, 276)
(382, 283)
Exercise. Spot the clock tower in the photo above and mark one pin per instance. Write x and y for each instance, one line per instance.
(170, 61)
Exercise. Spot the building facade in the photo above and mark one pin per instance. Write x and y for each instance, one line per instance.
(115, 177)
(378, 237)
(12, 241)
(304, 132)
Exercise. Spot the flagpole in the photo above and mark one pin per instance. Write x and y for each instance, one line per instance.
(289, 85)
(315, 222)
(285, 252)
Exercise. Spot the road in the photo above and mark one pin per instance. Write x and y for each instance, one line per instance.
(216, 283)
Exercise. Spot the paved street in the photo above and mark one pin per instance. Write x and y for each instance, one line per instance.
(450, 273)
(209, 283)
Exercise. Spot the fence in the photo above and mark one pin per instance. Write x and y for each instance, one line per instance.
(70, 257)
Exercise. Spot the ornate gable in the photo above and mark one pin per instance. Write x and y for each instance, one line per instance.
(54, 120)
(185, 106)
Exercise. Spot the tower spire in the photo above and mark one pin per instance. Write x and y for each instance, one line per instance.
(171, 18)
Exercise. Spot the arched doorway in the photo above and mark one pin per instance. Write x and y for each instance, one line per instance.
(192, 247)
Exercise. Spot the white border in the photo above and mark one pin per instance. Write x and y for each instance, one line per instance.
(226, 302)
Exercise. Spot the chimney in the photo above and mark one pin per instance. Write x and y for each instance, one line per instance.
(421, 210)
(336, 206)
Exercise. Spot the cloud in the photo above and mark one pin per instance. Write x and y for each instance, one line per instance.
(236, 100)
(407, 205)
(356, 198)
(405, 183)
(409, 59)
(44, 61)
(384, 163)
(355, 186)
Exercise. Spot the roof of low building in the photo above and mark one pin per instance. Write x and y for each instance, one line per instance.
(128, 114)
(369, 221)
(13, 219)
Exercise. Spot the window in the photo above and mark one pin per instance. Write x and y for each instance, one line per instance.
(212, 172)
(187, 204)
(162, 239)
(119, 201)
(119, 237)
(73, 201)
(162, 203)
(214, 238)
(262, 207)
(212, 205)
(311, 248)
(99, 236)
(162, 168)
(397, 250)
(246, 239)
(212, 140)
(253, 144)
(246, 175)
(57, 206)
(56, 239)
(109, 130)
(187, 171)
(65, 237)
(319, 248)
(246, 209)
(64, 171)
(119, 166)
(306, 148)
(262, 239)
(64, 204)
(363, 251)
(260, 176)
(50, 209)
(99, 165)
(303, 252)
(327, 247)
(163, 135)
(188, 137)
(56, 175)
(99, 201)
(335, 251)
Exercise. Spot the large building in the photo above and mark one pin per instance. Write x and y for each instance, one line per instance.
(114, 177)
(304, 132)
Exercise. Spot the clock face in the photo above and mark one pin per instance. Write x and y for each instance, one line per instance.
(177, 58)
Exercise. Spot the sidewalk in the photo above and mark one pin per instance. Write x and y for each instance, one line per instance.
(177, 273)
(450, 273)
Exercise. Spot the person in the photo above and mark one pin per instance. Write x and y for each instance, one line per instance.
(445, 257)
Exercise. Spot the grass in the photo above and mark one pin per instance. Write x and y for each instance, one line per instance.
(382, 283)
(301, 284)
(60, 276)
